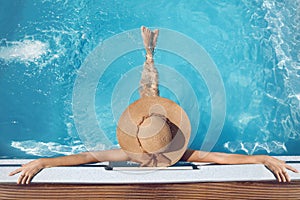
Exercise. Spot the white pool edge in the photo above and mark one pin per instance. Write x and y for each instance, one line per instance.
(97, 174)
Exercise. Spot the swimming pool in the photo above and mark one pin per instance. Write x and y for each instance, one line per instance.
(253, 45)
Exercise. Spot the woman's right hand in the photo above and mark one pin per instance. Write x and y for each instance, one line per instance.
(278, 168)
(28, 171)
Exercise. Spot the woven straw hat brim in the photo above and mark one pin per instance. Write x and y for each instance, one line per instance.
(132, 116)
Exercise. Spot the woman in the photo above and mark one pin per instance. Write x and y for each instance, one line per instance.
(149, 88)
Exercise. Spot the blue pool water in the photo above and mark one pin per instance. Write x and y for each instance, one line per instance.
(253, 45)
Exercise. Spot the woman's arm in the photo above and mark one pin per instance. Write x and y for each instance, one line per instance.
(278, 167)
(29, 170)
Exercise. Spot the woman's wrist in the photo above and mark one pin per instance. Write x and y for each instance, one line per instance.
(43, 163)
(261, 159)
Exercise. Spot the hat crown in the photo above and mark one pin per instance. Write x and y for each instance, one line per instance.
(154, 134)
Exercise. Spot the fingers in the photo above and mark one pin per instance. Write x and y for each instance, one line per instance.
(280, 170)
(278, 177)
(18, 170)
(20, 179)
(15, 171)
(29, 179)
(283, 175)
(26, 175)
(291, 168)
(25, 178)
(287, 177)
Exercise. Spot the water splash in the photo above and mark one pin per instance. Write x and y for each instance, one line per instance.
(26, 51)
(250, 147)
(47, 149)
(50, 149)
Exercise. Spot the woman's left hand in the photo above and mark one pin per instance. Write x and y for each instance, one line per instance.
(28, 171)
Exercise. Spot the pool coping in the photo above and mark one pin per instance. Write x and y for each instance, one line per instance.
(99, 173)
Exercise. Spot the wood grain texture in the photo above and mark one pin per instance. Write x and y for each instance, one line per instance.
(210, 190)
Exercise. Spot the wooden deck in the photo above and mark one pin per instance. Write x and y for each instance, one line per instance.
(208, 190)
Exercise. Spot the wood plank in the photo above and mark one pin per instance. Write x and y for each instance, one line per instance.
(208, 190)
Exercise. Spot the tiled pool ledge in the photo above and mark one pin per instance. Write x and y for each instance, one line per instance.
(99, 174)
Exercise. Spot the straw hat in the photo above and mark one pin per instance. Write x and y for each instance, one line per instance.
(154, 131)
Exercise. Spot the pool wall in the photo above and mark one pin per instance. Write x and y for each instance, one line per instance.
(207, 181)
(98, 174)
